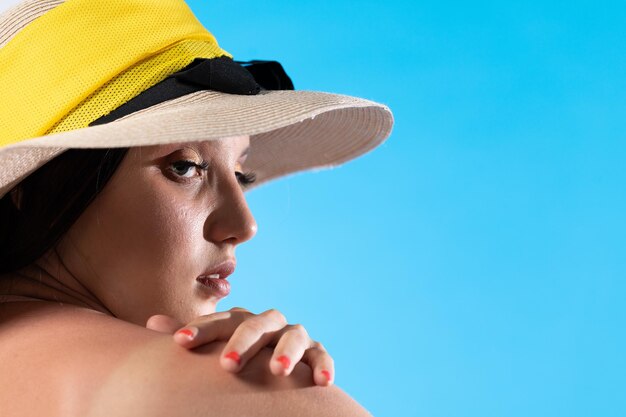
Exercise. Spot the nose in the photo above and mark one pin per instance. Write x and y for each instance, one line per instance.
(231, 220)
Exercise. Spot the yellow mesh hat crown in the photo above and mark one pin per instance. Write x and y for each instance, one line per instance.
(85, 58)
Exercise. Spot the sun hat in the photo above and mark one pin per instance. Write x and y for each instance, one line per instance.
(124, 73)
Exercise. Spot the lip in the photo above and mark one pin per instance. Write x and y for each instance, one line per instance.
(225, 269)
(218, 287)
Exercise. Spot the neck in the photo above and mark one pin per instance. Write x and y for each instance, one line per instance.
(49, 279)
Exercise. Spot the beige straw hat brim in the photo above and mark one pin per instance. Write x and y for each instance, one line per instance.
(290, 131)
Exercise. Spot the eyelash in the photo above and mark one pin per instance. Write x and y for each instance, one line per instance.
(245, 179)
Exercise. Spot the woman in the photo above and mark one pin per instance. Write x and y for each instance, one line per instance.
(139, 227)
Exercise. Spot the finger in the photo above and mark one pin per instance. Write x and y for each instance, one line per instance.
(244, 310)
(249, 337)
(294, 340)
(208, 328)
(321, 363)
(163, 323)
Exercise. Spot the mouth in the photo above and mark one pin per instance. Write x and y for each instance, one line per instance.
(214, 280)
(221, 271)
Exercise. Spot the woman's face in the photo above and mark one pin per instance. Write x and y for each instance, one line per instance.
(157, 225)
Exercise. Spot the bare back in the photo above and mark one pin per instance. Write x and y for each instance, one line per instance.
(63, 360)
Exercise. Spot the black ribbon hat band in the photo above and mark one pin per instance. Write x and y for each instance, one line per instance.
(217, 74)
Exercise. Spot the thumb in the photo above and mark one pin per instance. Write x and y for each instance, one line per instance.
(164, 324)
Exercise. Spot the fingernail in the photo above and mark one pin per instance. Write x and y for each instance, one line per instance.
(326, 374)
(234, 356)
(284, 360)
(186, 333)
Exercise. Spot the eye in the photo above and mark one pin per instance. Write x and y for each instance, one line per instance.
(247, 178)
(181, 168)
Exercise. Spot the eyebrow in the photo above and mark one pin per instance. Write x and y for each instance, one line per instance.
(245, 152)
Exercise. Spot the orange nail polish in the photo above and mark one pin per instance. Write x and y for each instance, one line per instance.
(284, 360)
(234, 356)
(188, 333)
(326, 374)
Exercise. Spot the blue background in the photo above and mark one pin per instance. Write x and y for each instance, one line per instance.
(473, 264)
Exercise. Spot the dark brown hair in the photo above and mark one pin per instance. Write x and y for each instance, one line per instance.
(49, 201)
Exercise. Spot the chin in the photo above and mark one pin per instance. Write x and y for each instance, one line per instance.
(184, 312)
(187, 315)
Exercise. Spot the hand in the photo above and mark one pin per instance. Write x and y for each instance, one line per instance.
(247, 333)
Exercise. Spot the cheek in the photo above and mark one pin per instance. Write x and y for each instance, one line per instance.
(170, 230)
(146, 231)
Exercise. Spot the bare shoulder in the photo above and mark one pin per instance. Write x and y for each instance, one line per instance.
(89, 364)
